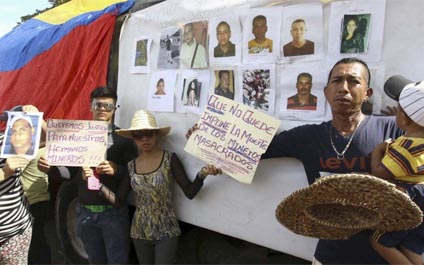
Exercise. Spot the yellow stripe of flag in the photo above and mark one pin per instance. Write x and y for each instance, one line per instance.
(61, 14)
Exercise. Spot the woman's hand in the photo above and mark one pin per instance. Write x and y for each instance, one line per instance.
(210, 170)
(14, 164)
(43, 165)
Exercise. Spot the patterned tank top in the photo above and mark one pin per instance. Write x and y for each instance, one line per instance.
(154, 218)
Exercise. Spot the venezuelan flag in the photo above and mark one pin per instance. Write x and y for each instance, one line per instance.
(55, 60)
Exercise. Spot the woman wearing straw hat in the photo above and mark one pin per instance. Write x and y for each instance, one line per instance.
(155, 228)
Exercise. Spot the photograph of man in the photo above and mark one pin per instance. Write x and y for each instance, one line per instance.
(21, 134)
(303, 100)
(225, 47)
(260, 44)
(169, 48)
(223, 87)
(193, 54)
(299, 45)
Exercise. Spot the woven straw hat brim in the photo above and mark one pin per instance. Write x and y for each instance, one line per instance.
(339, 206)
(143, 120)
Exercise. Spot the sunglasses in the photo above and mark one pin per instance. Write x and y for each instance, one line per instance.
(106, 106)
(141, 134)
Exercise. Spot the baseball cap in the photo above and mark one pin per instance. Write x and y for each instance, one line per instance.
(4, 116)
(20, 117)
(410, 96)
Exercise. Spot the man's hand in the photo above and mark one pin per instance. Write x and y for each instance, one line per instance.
(389, 111)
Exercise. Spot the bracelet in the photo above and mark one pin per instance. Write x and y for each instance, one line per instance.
(201, 176)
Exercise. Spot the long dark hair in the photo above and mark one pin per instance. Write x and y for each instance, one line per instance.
(348, 18)
(189, 88)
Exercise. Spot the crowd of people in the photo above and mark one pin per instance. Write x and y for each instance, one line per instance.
(137, 162)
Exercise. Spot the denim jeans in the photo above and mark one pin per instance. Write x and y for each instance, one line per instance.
(105, 235)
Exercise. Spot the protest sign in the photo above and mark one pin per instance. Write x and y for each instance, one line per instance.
(76, 142)
(232, 136)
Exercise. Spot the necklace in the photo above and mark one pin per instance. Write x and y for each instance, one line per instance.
(340, 155)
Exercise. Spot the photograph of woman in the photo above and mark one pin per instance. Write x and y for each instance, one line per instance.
(354, 33)
(192, 93)
(160, 87)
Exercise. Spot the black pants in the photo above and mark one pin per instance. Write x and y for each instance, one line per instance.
(39, 250)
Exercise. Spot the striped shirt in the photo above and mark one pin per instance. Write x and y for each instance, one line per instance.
(14, 207)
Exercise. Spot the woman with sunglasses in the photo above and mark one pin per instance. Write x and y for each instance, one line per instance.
(154, 227)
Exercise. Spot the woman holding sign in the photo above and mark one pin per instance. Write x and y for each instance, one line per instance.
(155, 228)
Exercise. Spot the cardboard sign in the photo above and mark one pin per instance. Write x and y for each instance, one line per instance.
(233, 137)
(76, 142)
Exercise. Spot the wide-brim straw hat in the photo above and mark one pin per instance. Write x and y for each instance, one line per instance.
(339, 206)
(143, 120)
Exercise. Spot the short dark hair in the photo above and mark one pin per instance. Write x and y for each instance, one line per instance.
(298, 21)
(223, 23)
(160, 81)
(220, 73)
(189, 25)
(103, 92)
(304, 74)
(351, 60)
(257, 18)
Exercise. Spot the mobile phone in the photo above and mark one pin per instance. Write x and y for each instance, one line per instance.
(93, 182)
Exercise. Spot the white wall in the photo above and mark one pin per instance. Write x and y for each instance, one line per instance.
(224, 205)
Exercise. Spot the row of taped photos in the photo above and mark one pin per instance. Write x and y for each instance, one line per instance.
(258, 86)
(267, 35)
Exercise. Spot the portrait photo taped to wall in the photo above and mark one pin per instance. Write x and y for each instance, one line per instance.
(224, 84)
(22, 135)
(356, 28)
(301, 34)
(161, 91)
(193, 49)
(141, 63)
(261, 38)
(191, 91)
(355, 33)
(258, 87)
(225, 40)
(169, 48)
(301, 95)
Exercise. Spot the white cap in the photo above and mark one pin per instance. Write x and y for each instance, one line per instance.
(411, 99)
(20, 117)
